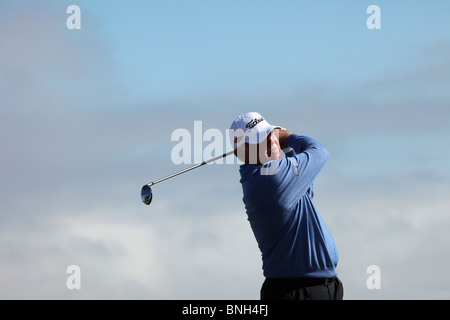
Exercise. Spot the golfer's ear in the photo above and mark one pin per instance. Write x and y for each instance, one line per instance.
(275, 134)
(272, 138)
(268, 151)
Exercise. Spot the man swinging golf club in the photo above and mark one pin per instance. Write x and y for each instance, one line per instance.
(298, 252)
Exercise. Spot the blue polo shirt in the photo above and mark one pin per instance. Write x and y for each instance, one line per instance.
(293, 239)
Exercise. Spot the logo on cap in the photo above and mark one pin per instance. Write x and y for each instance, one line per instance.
(254, 122)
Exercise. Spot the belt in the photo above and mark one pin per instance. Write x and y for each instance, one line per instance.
(306, 282)
(329, 280)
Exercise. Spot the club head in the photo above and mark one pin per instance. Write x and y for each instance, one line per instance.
(146, 194)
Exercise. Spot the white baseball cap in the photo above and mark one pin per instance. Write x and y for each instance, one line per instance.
(251, 128)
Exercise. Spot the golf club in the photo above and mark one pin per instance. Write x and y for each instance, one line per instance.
(146, 192)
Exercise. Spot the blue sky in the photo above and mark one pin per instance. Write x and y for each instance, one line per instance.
(173, 48)
(86, 118)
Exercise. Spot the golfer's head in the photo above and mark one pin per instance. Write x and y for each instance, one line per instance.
(255, 141)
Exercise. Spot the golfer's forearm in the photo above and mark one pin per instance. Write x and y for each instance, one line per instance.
(282, 136)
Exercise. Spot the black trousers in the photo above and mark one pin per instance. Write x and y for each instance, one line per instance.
(302, 289)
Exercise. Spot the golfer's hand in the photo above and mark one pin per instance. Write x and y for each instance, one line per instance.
(282, 136)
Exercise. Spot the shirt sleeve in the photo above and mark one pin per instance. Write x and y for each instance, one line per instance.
(296, 173)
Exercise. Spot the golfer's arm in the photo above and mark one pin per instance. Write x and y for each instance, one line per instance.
(301, 167)
(311, 155)
(302, 144)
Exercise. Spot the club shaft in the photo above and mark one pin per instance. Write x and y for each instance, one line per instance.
(191, 168)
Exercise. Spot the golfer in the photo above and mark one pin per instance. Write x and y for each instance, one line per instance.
(298, 252)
